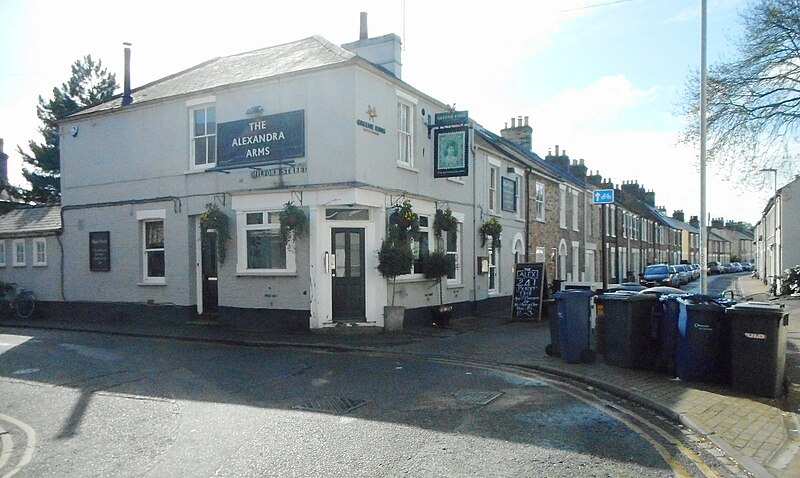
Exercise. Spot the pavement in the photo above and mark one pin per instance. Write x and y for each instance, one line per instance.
(761, 434)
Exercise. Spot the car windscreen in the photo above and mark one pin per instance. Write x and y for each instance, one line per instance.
(655, 270)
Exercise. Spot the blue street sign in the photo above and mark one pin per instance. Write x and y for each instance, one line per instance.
(603, 196)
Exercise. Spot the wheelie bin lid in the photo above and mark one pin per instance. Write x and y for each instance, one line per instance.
(572, 292)
(702, 300)
(628, 296)
(763, 307)
(662, 290)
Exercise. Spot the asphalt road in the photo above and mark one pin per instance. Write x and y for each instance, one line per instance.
(83, 405)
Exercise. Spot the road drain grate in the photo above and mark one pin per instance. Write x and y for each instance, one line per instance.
(335, 405)
(476, 397)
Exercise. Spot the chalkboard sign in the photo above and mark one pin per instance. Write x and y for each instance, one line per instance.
(100, 251)
(527, 299)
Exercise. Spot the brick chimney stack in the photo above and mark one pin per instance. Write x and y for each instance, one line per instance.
(578, 169)
(519, 133)
(678, 214)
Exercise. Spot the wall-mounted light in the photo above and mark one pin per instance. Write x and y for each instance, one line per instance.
(254, 110)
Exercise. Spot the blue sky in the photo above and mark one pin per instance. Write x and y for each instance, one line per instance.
(602, 79)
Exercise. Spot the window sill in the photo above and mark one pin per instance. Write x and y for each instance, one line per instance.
(149, 284)
(456, 180)
(198, 170)
(456, 286)
(266, 274)
(407, 167)
(19, 265)
(40, 265)
(412, 278)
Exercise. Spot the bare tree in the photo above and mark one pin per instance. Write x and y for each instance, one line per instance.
(753, 100)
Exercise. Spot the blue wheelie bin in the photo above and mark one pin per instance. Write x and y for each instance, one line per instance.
(702, 349)
(666, 317)
(574, 325)
(758, 348)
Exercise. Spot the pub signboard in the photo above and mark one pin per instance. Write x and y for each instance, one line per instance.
(264, 140)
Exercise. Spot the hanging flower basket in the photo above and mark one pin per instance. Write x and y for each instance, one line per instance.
(491, 228)
(216, 220)
(404, 220)
(444, 221)
(294, 224)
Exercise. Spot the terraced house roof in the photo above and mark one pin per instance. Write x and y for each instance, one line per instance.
(31, 221)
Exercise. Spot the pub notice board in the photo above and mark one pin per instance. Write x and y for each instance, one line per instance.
(527, 299)
(100, 251)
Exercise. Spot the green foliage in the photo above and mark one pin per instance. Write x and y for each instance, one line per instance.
(394, 257)
(438, 264)
(218, 221)
(294, 224)
(403, 220)
(89, 84)
(492, 228)
(444, 221)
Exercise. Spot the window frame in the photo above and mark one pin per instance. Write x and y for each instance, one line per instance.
(493, 276)
(494, 177)
(272, 228)
(540, 203)
(202, 104)
(457, 279)
(405, 130)
(146, 277)
(15, 251)
(575, 210)
(423, 229)
(37, 261)
(2, 252)
(562, 202)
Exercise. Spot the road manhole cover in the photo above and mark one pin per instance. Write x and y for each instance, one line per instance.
(476, 397)
(335, 405)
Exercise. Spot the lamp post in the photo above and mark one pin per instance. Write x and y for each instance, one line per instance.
(774, 286)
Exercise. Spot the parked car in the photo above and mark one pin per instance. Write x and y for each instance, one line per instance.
(715, 267)
(737, 267)
(675, 277)
(694, 269)
(656, 274)
(683, 273)
(747, 266)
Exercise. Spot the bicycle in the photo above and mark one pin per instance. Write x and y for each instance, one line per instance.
(16, 300)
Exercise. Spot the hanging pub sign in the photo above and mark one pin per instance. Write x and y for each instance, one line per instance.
(527, 299)
(451, 152)
(261, 141)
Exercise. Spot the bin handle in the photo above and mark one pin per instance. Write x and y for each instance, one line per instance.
(785, 319)
(727, 291)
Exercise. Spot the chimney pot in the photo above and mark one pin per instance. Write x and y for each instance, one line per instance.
(556, 150)
(526, 121)
(363, 35)
(513, 122)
